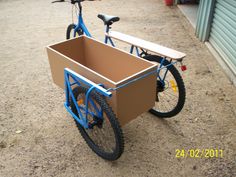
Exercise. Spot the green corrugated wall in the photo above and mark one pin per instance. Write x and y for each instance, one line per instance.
(204, 19)
(223, 31)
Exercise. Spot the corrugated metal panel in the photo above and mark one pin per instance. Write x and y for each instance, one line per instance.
(223, 31)
(204, 19)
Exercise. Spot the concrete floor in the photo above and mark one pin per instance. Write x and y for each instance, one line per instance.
(190, 12)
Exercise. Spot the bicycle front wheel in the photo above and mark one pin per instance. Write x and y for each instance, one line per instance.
(104, 135)
(170, 90)
(70, 32)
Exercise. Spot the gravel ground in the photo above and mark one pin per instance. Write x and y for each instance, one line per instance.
(39, 138)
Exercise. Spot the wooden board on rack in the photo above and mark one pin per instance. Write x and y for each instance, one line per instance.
(150, 46)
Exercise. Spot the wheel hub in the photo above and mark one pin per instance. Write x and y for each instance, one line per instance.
(80, 32)
(160, 86)
(96, 122)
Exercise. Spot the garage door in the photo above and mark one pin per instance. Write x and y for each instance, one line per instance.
(223, 31)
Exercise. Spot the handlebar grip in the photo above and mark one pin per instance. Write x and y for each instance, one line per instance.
(72, 1)
(58, 1)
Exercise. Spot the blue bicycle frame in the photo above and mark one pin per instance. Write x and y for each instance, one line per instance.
(78, 79)
(82, 26)
(73, 78)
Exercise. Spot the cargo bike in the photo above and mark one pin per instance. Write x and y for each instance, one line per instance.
(105, 87)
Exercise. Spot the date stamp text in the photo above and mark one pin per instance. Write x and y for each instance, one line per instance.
(199, 153)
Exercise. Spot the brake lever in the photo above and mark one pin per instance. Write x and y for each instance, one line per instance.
(58, 1)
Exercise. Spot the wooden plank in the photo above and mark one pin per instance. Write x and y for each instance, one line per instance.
(158, 49)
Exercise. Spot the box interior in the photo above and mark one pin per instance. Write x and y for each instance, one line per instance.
(101, 58)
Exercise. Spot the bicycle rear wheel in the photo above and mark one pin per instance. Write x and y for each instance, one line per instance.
(70, 32)
(104, 136)
(170, 94)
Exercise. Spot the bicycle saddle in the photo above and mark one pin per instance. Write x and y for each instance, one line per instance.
(108, 19)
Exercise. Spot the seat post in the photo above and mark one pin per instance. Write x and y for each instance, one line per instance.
(107, 28)
(106, 32)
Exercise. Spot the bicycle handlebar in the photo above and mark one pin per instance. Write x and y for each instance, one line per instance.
(58, 1)
(72, 1)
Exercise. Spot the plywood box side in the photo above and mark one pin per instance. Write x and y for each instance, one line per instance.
(57, 64)
(112, 63)
(73, 49)
(136, 98)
